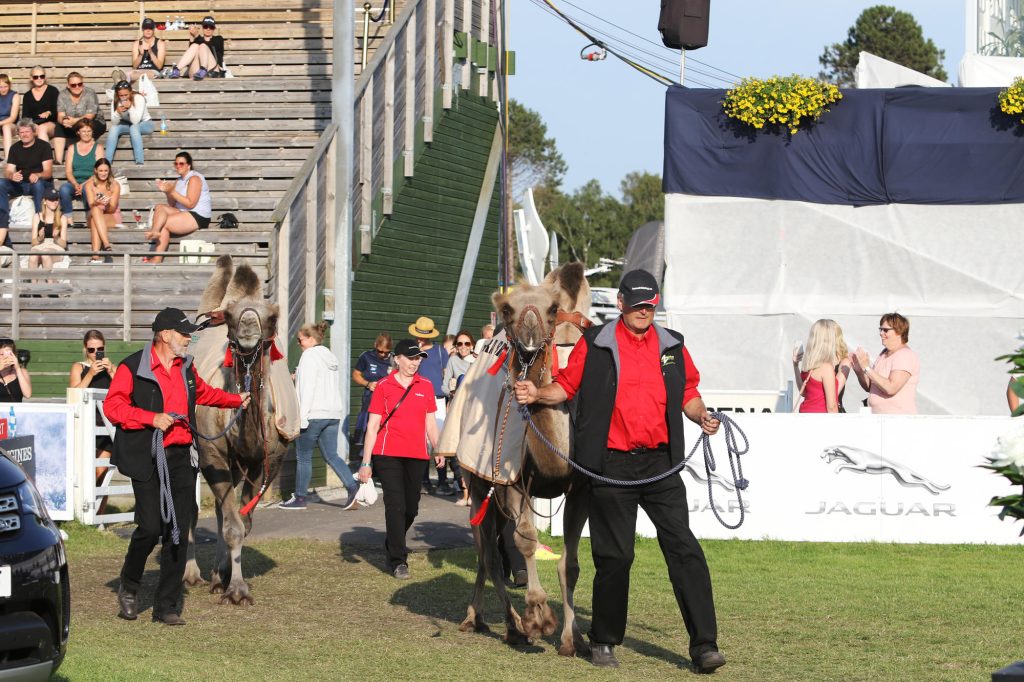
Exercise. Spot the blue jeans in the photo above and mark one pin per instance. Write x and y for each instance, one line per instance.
(322, 432)
(67, 198)
(135, 132)
(10, 188)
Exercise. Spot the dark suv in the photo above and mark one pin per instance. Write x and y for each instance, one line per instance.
(35, 597)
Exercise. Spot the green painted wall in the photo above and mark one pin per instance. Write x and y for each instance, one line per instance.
(417, 255)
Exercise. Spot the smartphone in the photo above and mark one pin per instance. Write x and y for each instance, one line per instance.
(100, 355)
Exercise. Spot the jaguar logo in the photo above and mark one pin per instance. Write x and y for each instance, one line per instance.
(865, 462)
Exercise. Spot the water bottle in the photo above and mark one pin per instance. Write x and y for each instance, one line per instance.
(12, 424)
(163, 124)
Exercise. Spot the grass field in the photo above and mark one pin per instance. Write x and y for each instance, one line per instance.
(787, 611)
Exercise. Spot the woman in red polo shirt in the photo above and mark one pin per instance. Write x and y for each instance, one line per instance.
(401, 421)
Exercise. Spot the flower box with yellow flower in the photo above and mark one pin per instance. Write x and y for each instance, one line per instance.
(779, 102)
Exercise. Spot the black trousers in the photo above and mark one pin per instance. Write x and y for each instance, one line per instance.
(151, 530)
(400, 479)
(612, 534)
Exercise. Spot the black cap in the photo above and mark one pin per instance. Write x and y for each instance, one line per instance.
(51, 194)
(638, 287)
(209, 21)
(148, 23)
(409, 348)
(172, 318)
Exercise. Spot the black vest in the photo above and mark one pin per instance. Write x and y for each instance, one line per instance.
(133, 449)
(595, 399)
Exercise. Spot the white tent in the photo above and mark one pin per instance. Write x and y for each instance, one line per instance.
(977, 71)
(875, 72)
(745, 279)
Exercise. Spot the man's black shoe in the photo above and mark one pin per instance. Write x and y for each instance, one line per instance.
(129, 609)
(603, 656)
(709, 662)
(446, 490)
(169, 619)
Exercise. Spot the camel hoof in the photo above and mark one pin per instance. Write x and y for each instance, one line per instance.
(216, 588)
(471, 625)
(515, 638)
(567, 649)
(193, 580)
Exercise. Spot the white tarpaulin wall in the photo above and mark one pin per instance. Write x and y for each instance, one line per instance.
(875, 72)
(745, 279)
(977, 71)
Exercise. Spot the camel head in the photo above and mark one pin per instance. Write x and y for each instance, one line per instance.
(251, 320)
(528, 313)
(573, 297)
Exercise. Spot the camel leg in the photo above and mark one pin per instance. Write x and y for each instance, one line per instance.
(474, 621)
(572, 642)
(192, 576)
(538, 618)
(515, 630)
(233, 533)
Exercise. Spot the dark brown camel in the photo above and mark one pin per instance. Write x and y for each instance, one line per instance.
(540, 321)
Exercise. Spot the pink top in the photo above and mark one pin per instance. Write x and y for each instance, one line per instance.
(905, 400)
(814, 395)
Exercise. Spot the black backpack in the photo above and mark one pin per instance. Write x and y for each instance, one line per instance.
(227, 221)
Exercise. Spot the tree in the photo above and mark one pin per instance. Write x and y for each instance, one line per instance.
(642, 199)
(888, 33)
(532, 155)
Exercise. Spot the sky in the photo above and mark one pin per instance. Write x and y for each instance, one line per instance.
(608, 119)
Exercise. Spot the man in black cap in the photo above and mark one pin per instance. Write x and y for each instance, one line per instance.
(633, 380)
(148, 387)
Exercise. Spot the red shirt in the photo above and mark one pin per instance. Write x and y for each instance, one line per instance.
(638, 418)
(120, 411)
(405, 434)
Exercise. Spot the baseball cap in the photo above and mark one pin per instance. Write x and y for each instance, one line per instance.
(409, 348)
(638, 287)
(172, 318)
(209, 21)
(51, 194)
(148, 23)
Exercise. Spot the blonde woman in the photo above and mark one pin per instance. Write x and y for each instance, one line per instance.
(818, 376)
(10, 107)
(49, 232)
(103, 197)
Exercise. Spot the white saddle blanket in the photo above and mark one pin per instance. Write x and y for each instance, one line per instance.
(484, 427)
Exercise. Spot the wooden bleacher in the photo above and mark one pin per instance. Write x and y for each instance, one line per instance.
(248, 135)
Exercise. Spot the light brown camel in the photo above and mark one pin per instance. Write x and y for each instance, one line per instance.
(541, 322)
(237, 353)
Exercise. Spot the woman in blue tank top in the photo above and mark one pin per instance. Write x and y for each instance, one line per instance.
(10, 107)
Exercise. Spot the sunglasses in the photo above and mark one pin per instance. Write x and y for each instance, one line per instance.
(382, 352)
(179, 164)
(39, 77)
(885, 330)
(90, 351)
(76, 85)
(463, 343)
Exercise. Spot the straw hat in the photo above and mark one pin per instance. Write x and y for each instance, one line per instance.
(423, 328)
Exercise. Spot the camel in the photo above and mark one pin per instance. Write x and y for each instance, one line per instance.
(508, 464)
(237, 352)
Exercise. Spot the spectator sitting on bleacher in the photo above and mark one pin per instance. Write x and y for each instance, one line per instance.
(10, 105)
(49, 232)
(148, 53)
(40, 104)
(78, 166)
(188, 206)
(76, 103)
(205, 56)
(15, 382)
(102, 196)
(28, 171)
(128, 114)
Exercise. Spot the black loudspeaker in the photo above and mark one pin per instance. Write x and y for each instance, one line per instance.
(684, 23)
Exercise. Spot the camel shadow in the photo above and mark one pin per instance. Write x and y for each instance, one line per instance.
(255, 562)
(366, 542)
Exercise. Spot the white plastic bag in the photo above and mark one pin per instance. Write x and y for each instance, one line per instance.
(148, 90)
(367, 494)
(125, 187)
(21, 212)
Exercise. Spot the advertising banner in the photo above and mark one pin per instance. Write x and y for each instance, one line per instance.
(853, 478)
(44, 446)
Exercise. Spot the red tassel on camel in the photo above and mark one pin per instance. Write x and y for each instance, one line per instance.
(478, 518)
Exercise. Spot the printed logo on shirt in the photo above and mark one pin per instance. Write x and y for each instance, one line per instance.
(419, 395)
(667, 360)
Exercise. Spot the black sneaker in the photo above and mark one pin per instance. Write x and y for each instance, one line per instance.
(216, 74)
(350, 501)
(296, 502)
(709, 662)
(603, 656)
(402, 572)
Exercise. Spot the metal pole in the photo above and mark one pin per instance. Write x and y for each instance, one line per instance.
(343, 109)
(682, 65)
(366, 32)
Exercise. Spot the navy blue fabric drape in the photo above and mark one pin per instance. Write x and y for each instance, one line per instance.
(905, 145)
